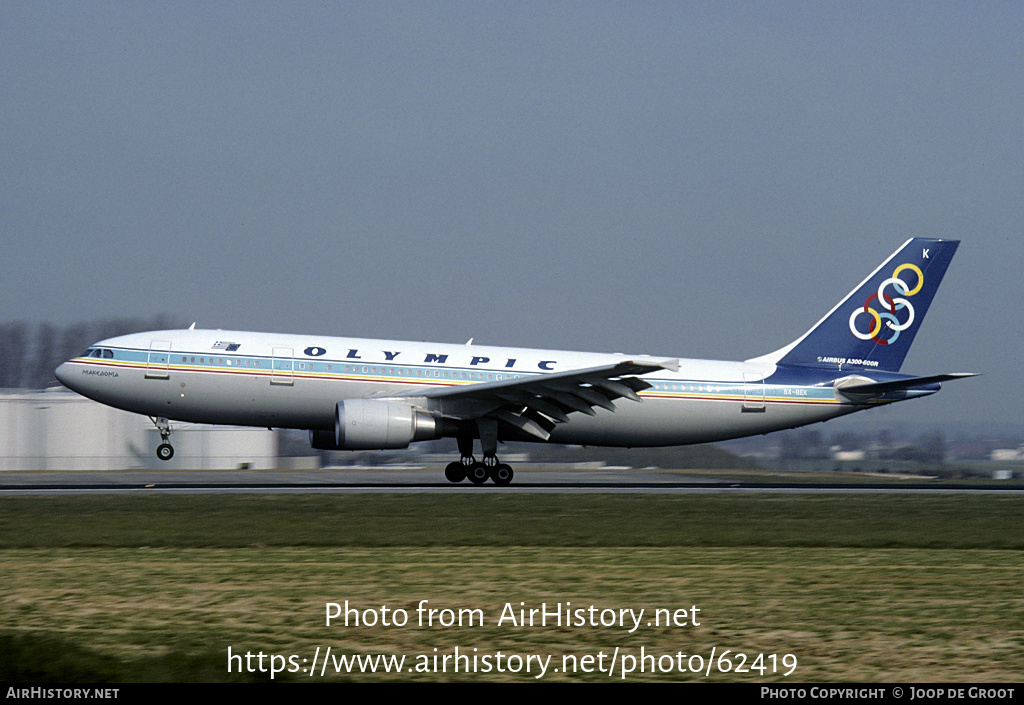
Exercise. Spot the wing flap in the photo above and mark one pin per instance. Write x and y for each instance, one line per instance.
(548, 408)
(522, 422)
(614, 389)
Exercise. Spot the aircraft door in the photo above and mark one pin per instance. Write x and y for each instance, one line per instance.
(282, 366)
(159, 360)
(753, 392)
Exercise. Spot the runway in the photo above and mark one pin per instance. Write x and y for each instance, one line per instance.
(364, 481)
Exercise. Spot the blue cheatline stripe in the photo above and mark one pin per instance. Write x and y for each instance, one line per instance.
(694, 390)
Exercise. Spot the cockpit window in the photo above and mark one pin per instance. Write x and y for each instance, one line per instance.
(98, 352)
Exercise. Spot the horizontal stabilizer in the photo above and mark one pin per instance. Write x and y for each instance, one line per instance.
(874, 388)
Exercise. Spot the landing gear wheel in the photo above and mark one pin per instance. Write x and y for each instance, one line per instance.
(164, 451)
(478, 473)
(501, 474)
(455, 472)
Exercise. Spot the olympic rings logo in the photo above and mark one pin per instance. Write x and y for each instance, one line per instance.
(890, 305)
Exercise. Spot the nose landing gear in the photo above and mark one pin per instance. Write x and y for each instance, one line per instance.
(164, 451)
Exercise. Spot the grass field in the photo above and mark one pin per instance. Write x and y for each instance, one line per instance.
(873, 588)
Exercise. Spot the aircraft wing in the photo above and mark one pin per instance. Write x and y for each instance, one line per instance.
(535, 404)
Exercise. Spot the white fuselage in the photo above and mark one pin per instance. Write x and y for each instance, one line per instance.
(293, 381)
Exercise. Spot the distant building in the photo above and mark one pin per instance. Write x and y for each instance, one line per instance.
(847, 456)
(60, 430)
(1007, 454)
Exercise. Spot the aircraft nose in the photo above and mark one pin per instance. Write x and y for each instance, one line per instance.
(63, 374)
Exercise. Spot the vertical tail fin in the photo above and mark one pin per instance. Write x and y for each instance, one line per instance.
(875, 324)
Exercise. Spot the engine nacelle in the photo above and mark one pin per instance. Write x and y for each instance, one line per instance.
(375, 424)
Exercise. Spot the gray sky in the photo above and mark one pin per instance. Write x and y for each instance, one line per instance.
(693, 179)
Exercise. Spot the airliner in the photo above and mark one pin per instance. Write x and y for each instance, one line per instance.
(366, 394)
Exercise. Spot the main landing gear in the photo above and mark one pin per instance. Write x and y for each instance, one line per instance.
(478, 473)
(468, 467)
(164, 451)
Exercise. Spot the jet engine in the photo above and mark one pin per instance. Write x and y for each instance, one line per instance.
(375, 424)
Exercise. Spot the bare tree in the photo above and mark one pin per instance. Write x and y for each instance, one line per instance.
(13, 353)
